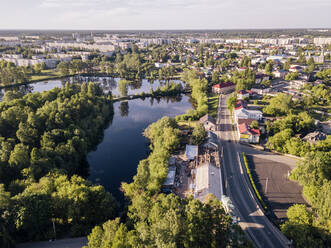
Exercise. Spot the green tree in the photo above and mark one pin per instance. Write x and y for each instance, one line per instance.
(254, 124)
(199, 134)
(279, 105)
(123, 87)
(292, 76)
(231, 102)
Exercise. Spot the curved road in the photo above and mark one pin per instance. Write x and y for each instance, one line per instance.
(252, 219)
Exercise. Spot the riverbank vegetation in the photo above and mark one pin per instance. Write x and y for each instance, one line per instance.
(312, 227)
(199, 89)
(158, 220)
(44, 140)
(11, 74)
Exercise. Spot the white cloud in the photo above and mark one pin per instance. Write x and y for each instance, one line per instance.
(164, 14)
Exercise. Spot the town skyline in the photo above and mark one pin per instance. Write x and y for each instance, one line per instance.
(158, 15)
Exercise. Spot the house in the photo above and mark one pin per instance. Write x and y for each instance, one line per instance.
(326, 126)
(313, 137)
(298, 84)
(223, 88)
(159, 65)
(169, 182)
(212, 141)
(240, 104)
(247, 134)
(208, 122)
(191, 152)
(243, 113)
(295, 68)
(242, 94)
(260, 89)
(259, 77)
(247, 121)
(207, 181)
(280, 74)
(241, 69)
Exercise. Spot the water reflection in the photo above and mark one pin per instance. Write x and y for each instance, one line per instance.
(116, 158)
(124, 108)
(107, 84)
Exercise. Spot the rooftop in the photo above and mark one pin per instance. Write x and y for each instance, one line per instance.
(207, 117)
(207, 181)
(191, 152)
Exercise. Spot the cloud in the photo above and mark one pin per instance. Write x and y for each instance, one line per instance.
(126, 3)
(69, 3)
(164, 14)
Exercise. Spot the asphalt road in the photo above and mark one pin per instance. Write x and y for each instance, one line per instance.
(252, 219)
(61, 243)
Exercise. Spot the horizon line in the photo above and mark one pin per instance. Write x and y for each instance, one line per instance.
(181, 29)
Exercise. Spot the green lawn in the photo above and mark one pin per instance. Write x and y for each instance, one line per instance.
(213, 105)
(188, 124)
(45, 74)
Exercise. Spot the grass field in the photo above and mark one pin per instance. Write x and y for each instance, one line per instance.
(45, 74)
(213, 105)
(188, 124)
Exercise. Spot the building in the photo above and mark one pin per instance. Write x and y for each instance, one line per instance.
(247, 134)
(322, 41)
(313, 137)
(223, 88)
(242, 94)
(207, 181)
(208, 122)
(191, 152)
(260, 89)
(279, 74)
(259, 77)
(296, 68)
(326, 126)
(169, 182)
(298, 84)
(243, 113)
(240, 104)
(212, 141)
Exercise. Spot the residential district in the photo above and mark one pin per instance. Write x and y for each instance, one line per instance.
(268, 107)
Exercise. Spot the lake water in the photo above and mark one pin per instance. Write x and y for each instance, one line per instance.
(123, 146)
(116, 158)
(107, 83)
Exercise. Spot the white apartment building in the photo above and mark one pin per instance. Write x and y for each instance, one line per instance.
(322, 41)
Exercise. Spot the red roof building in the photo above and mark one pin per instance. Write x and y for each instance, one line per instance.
(223, 87)
(247, 134)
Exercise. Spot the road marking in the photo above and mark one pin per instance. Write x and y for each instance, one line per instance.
(240, 193)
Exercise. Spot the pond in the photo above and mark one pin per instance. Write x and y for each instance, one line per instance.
(116, 158)
(107, 84)
(123, 146)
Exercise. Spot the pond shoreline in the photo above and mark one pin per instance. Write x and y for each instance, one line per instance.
(115, 75)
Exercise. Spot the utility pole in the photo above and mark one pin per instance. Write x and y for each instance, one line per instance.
(54, 229)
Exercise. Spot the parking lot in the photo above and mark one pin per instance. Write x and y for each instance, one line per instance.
(271, 177)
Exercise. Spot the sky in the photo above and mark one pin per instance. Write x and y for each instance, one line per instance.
(164, 14)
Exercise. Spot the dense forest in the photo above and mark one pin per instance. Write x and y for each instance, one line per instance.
(44, 140)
